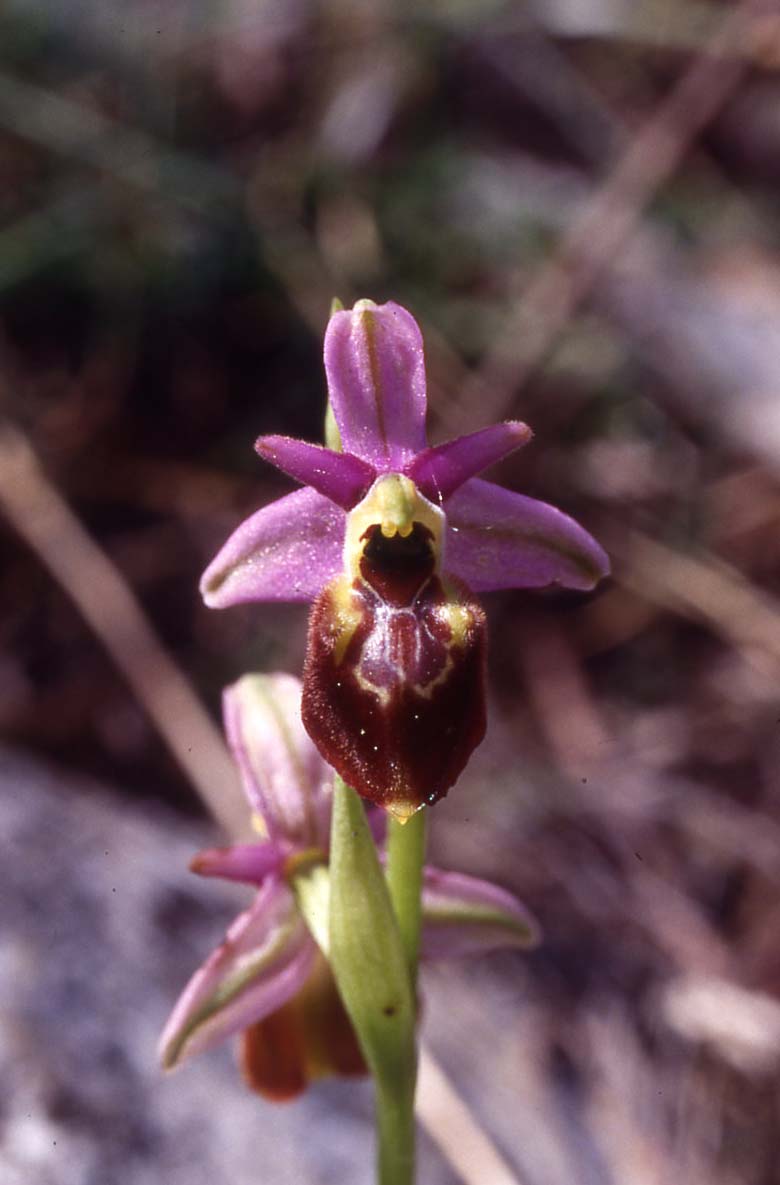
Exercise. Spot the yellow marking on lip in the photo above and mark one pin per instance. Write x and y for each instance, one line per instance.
(346, 617)
(460, 619)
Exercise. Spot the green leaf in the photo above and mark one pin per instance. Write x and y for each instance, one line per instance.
(366, 952)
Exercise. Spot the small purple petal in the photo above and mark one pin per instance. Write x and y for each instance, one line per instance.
(287, 551)
(376, 380)
(463, 915)
(438, 472)
(499, 539)
(249, 863)
(265, 959)
(342, 478)
(285, 780)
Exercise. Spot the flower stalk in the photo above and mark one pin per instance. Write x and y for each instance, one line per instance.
(395, 1134)
(370, 965)
(405, 861)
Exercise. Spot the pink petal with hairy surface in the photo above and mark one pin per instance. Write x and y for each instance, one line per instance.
(376, 380)
(249, 863)
(265, 959)
(287, 551)
(463, 915)
(499, 539)
(342, 478)
(439, 471)
(285, 779)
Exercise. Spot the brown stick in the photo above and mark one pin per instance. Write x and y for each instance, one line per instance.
(453, 1128)
(48, 526)
(704, 589)
(605, 223)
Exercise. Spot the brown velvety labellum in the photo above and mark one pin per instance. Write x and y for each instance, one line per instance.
(309, 1037)
(393, 692)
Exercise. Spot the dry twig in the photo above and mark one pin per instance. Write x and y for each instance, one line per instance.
(605, 223)
(451, 1125)
(708, 589)
(97, 588)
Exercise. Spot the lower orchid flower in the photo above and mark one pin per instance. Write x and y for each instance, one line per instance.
(269, 979)
(392, 539)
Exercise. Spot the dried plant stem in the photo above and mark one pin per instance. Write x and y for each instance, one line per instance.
(707, 589)
(451, 1125)
(607, 220)
(97, 588)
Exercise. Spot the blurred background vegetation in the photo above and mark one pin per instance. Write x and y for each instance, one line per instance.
(578, 201)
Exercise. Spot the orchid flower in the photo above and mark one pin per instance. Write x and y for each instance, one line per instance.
(392, 539)
(269, 980)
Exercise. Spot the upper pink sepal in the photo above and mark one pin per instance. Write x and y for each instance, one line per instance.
(376, 382)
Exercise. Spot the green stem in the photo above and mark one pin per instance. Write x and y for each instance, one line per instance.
(370, 962)
(405, 859)
(395, 1116)
(396, 1135)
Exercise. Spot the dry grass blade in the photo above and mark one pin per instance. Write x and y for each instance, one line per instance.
(605, 223)
(97, 588)
(703, 588)
(451, 1125)
(73, 130)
